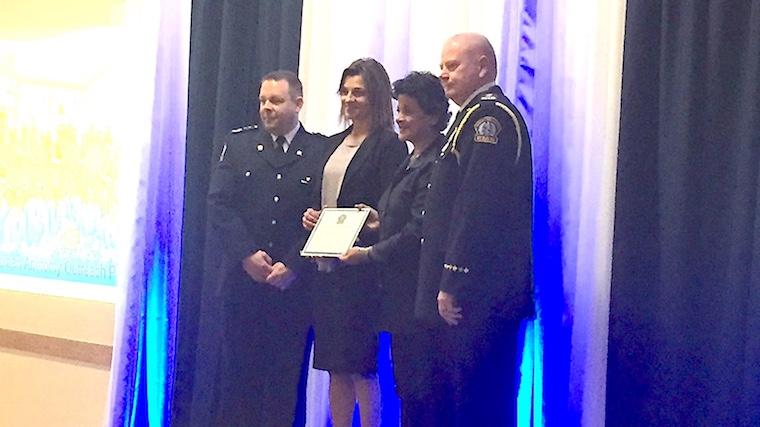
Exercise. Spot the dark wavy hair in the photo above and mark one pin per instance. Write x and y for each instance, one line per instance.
(426, 89)
(378, 86)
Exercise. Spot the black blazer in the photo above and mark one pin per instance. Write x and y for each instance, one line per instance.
(401, 210)
(367, 175)
(370, 170)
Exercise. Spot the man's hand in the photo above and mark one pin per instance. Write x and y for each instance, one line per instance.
(356, 255)
(448, 309)
(258, 266)
(309, 219)
(373, 220)
(281, 276)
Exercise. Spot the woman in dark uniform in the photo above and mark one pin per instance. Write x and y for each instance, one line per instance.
(359, 164)
(422, 115)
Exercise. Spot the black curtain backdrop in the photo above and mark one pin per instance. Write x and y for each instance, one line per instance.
(684, 343)
(232, 44)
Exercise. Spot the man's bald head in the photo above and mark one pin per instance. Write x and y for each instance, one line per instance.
(468, 62)
(479, 47)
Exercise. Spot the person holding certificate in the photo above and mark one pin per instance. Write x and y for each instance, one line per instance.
(359, 164)
(422, 115)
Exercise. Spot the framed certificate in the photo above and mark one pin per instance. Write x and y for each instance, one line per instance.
(335, 232)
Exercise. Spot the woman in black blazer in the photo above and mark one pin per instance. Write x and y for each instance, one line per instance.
(422, 115)
(358, 166)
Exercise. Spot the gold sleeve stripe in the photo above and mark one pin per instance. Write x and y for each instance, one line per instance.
(455, 135)
(517, 128)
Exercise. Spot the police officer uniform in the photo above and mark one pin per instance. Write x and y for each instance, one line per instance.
(257, 195)
(477, 247)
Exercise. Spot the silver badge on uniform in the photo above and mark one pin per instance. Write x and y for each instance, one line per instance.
(487, 130)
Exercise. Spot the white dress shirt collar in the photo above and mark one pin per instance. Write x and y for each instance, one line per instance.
(288, 137)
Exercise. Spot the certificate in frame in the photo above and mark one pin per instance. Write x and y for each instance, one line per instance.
(335, 232)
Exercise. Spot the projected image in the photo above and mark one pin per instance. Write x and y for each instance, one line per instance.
(58, 168)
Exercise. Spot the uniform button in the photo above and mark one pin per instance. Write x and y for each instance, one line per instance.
(422, 240)
(276, 199)
(274, 221)
(260, 147)
(247, 173)
(279, 176)
(429, 185)
(423, 212)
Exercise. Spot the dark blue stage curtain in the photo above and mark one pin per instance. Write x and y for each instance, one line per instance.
(232, 44)
(684, 346)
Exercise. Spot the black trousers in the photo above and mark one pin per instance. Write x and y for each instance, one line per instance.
(458, 376)
(264, 358)
(417, 375)
(483, 362)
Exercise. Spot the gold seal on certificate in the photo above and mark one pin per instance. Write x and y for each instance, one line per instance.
(335, 232)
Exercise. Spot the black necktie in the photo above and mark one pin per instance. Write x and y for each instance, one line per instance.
(279, 143)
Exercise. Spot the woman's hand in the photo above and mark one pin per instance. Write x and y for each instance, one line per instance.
(373, 220)
(356, 255)
(310, 217)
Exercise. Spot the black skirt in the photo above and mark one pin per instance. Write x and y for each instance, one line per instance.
(346, 313)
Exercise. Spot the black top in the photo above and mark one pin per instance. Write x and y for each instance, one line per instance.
(401, 210)
(477, 228)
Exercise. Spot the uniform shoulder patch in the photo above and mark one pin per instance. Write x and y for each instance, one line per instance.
(487, 130)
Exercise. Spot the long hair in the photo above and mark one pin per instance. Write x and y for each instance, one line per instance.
(378, 86)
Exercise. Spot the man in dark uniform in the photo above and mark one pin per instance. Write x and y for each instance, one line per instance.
(476, 261)
(258, 192)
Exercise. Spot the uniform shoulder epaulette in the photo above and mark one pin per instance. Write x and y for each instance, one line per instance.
(245, 129)
(488, 97)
